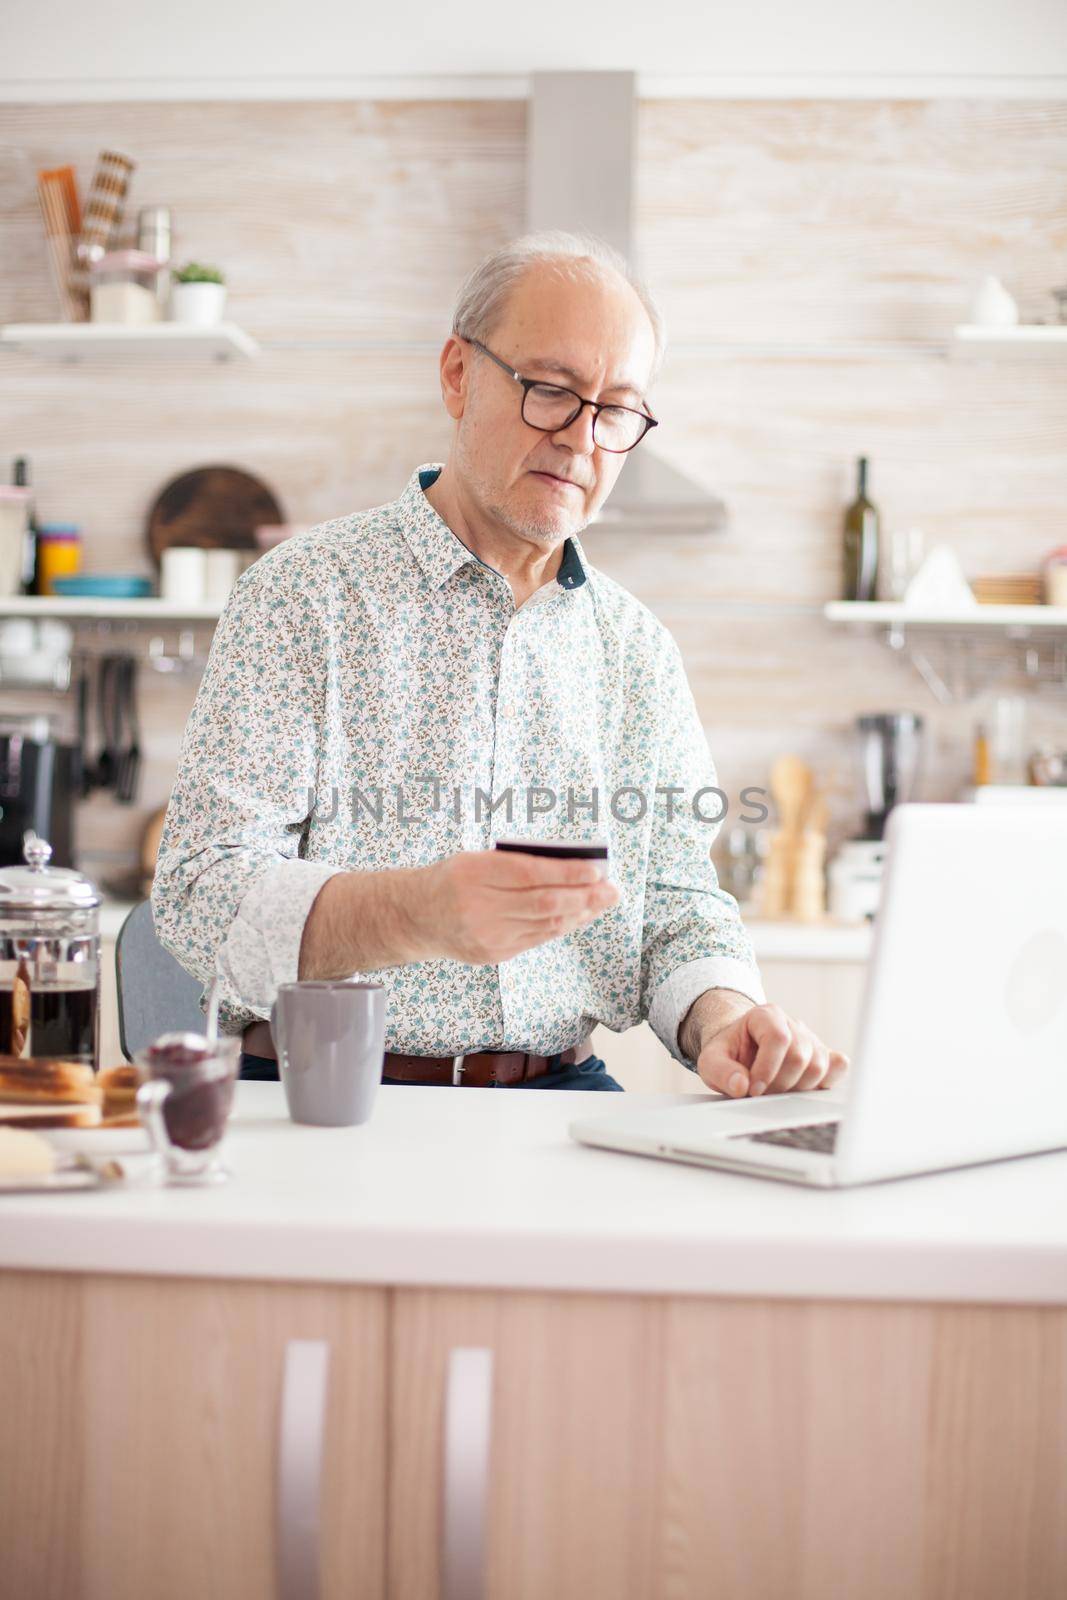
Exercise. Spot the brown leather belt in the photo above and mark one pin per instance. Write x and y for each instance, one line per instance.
(478, 1070)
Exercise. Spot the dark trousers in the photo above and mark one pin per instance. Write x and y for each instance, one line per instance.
(588, 1074)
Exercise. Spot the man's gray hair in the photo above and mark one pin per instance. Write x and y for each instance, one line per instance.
(484, 293)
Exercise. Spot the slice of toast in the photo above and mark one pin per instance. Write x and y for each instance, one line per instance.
(40, 1116)
(42, 1080)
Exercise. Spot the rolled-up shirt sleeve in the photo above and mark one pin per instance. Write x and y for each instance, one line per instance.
(693, 938)
(232, 889)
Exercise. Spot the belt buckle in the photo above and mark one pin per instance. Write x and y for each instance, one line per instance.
(458, 1070)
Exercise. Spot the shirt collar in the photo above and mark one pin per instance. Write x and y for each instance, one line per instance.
(440, 553)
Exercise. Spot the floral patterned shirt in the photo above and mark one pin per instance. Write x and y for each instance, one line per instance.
(374, 698)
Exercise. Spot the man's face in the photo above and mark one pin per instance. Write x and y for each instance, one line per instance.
(595, 326)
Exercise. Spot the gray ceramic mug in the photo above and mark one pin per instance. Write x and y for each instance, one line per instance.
(330, 1038)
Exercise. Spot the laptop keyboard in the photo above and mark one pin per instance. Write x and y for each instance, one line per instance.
(805, 1136)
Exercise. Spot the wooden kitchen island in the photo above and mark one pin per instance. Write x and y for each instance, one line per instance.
(680, 1383)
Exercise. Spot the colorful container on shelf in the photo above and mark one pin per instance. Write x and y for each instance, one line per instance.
(105, 586)
(59, 554)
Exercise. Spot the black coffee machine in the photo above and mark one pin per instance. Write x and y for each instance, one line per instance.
(38, 777)
(890, 745)
(890, 748)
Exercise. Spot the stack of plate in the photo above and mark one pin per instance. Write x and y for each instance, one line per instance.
(116, 586)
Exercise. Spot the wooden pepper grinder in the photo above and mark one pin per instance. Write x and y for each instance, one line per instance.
(809, 881)
(791, 781)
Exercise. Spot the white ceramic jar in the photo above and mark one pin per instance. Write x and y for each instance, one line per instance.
(198, 305)
(222, 569)
(183, 574)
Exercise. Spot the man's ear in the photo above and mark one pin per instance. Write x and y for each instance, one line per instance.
(455, 377)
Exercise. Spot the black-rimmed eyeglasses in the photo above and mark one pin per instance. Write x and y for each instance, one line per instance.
(551, 408)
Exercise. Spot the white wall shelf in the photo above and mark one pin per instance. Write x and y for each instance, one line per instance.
(1029, 340)
(959, 654)
(885, 613)
(70, 609)
(77, 341)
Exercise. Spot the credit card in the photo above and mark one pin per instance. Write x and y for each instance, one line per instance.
(559, 849)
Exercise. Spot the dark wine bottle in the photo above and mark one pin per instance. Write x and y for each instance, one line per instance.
(861, 542)
(29, 553)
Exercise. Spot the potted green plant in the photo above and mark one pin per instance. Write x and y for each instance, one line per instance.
(198, 294)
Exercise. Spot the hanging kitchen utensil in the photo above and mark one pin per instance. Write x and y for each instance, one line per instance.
(213, 508)
(107, 761)
(81, 770)
(119, 741)
(129, 765)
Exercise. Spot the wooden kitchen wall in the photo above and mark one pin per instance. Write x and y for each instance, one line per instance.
(811, 258)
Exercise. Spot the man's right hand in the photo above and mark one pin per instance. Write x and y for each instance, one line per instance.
(485, 906)
(480, 906)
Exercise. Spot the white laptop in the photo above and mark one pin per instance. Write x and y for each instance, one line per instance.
(962, 1049)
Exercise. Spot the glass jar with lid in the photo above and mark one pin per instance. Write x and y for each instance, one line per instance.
(122, 287)
(1056, 577)
(49, 959)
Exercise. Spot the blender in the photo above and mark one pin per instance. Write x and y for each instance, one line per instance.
(890, 744)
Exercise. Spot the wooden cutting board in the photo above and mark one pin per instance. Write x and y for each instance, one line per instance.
(214, 508)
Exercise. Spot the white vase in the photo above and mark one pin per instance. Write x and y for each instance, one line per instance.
(993, 306)
(198, 304)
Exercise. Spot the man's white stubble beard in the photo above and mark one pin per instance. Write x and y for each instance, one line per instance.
(546, 530)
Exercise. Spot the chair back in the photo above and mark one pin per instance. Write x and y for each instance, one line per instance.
(155, 993)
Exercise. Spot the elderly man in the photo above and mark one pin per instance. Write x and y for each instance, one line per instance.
(391, 692)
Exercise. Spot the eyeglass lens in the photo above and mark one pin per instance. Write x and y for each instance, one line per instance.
(549, 408)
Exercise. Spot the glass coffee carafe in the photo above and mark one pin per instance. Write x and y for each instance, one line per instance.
(49, 960)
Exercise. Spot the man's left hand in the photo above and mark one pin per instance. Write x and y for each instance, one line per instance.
(766, 1051)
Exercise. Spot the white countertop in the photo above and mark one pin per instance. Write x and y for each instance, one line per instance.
(828, 940)
(484, 1187)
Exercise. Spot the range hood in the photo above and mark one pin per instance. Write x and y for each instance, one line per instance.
(580, 159)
